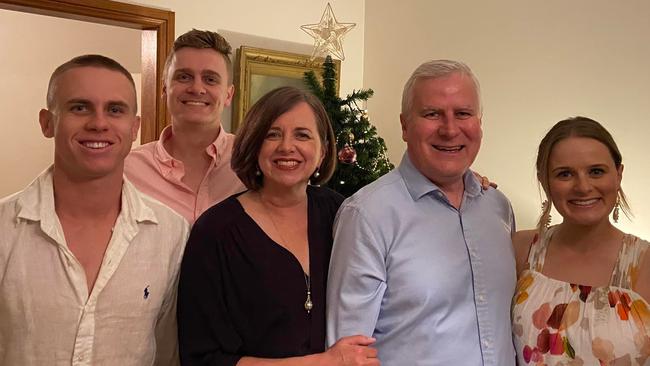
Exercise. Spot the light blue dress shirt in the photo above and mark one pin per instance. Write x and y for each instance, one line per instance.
(432, 283)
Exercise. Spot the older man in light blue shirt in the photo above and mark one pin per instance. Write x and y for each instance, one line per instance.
(422, 258)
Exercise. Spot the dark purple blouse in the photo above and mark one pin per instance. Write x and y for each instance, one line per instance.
(242, 294)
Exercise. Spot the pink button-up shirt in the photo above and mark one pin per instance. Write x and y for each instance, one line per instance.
(156, 173)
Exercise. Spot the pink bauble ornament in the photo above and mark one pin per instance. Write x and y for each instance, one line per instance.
(347, 155)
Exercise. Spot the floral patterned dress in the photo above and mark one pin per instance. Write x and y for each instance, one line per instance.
(559, 323)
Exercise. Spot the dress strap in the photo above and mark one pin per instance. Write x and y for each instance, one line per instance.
(537, 252)
(629, 258)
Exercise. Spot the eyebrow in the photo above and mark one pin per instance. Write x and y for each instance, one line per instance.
(434, 108)
(120, 103)
(561, 168)
(190, 71)
(78, 101)
(598, 165)
(295, 129)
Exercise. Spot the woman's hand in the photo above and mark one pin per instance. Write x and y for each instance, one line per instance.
(485, 182)
(352, 351)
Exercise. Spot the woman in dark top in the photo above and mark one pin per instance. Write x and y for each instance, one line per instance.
(253, 277)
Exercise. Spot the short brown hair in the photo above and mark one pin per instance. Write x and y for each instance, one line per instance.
(201, 39)
(257, 123)
(87, 61)
(574, 127)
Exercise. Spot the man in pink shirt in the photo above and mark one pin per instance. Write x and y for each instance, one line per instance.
(188, 168)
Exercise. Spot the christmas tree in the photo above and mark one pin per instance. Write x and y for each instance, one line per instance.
(361, 152)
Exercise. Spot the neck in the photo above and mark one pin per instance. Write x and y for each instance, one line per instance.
(283, 197)
(188, 142)
(586, 237)
(453, 190)
(87, 199)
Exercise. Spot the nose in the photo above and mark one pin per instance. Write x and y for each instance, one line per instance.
(196, 86)
(286, 143)
(582, 184)
(448, 127)
(98, 122)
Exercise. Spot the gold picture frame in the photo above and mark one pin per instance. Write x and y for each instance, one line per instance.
(259, 71)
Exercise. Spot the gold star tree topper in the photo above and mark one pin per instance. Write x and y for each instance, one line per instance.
(328, 35)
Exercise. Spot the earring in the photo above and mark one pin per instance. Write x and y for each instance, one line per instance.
(258, 172)
(546, 214)
(616, 209)
(316, 173)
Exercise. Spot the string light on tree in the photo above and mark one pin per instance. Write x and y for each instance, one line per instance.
(361, 152)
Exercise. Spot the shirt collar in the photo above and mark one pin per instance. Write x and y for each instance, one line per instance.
(133, 205)
(418, 185)
(214, 150)
(36, 203)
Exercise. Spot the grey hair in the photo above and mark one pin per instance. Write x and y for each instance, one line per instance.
(435, 69)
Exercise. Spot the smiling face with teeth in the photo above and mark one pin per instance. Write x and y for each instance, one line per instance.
(292, 149)
(93, 122)
(197, 87)
(442, 129)
(583, 180)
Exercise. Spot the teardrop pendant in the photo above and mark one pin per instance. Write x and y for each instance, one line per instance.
(308, 304)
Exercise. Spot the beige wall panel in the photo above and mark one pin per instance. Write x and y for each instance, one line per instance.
(538, 62)
(32, 46)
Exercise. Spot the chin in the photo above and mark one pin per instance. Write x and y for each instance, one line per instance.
(586, 221)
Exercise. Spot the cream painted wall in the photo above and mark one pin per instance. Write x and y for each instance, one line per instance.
(272, 24)
(27, 61)
(538, 62)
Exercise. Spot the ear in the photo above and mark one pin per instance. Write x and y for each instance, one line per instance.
(619, 172)
(323, 152)
(46, 120)
(404, 122)
(135, 127)
(230, 92)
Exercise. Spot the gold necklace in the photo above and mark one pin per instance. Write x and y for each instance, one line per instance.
(308, 303)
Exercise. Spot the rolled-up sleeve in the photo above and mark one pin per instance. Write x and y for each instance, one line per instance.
(357, 276)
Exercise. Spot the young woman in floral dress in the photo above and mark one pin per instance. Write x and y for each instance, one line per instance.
(584, 285)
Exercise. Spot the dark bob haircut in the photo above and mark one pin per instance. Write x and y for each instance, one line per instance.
(257, 123)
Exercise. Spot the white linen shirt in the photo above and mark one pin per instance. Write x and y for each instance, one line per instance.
(47, 316)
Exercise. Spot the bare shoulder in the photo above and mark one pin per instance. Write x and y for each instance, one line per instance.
(521, 240)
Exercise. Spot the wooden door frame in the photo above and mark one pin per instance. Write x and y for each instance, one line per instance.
(157, 38)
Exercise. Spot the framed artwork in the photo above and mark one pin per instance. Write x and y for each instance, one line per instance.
(259, 71)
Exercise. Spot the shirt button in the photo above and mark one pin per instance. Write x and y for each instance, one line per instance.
(486, 343)
(481, 298)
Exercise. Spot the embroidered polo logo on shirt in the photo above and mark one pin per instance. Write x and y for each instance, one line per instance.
(146, 292)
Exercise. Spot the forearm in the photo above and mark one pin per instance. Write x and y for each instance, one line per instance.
(309, 360)
(356, 281)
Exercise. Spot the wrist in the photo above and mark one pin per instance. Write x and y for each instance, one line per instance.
(324, 359)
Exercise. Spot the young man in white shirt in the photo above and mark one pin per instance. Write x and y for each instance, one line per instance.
(89, 264)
